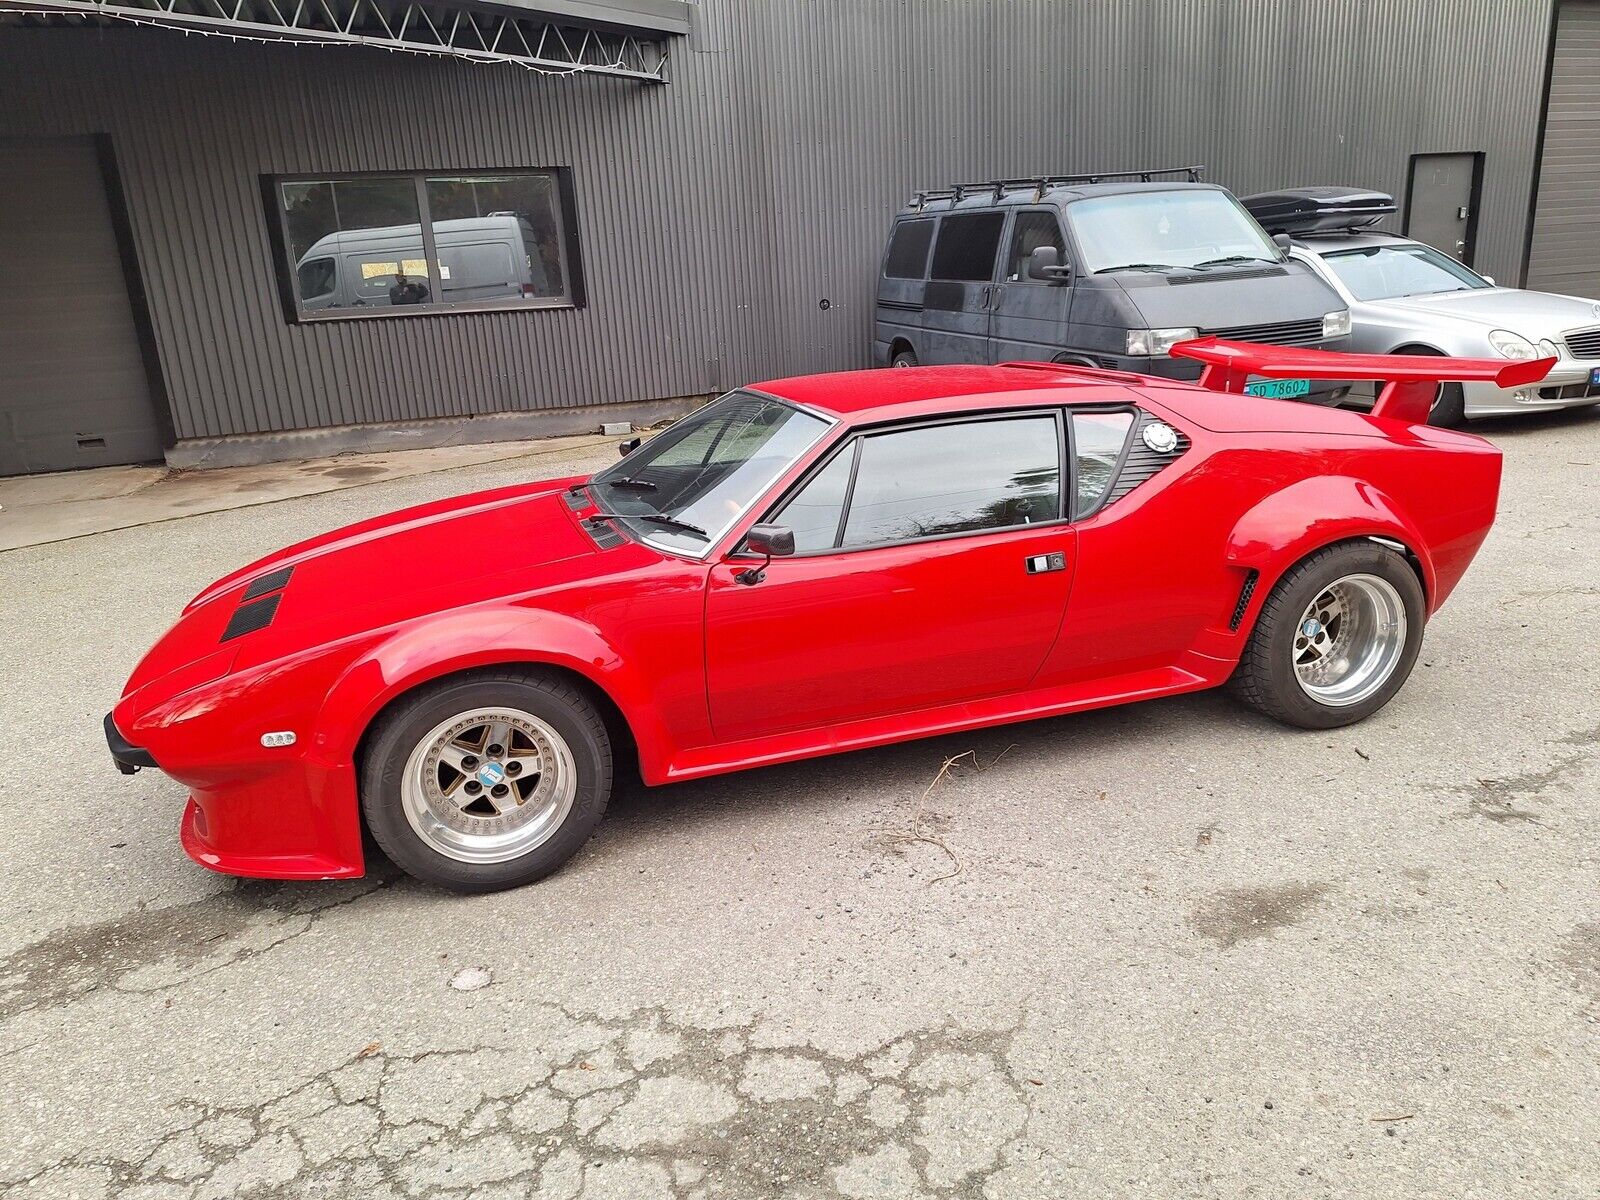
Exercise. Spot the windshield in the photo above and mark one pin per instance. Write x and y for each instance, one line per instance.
(1197, 229)
(1411, 269)
(706, 470)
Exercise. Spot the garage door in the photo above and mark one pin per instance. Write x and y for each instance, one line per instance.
(73, 388)
(1566, 223)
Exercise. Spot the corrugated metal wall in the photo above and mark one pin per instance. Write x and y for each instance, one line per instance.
(716, 214)
(1565, 252)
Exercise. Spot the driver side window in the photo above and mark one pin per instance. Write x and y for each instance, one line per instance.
(931, 481)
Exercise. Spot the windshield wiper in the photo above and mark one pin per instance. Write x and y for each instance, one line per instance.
(1235, 258)
(628, 481)
(1144, 267)
(654, 519)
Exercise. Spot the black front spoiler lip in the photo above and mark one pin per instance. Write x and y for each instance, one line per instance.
(128, 757)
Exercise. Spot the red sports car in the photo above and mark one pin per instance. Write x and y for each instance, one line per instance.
(802, 567)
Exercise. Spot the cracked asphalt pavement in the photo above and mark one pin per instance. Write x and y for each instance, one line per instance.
(1163, 950)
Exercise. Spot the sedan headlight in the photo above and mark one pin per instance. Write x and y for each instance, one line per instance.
(1336, 324)
(1152, 343)
(1548, 349)
(1512, 345)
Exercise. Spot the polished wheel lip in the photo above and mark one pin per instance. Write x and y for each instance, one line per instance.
(535, 798)
(1349, 640)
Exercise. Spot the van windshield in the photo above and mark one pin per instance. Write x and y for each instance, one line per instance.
(1193, 230)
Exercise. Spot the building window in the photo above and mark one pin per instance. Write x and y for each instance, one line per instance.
(394, 245)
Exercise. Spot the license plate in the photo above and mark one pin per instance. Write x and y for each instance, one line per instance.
(1594, 376)
(1280, 389)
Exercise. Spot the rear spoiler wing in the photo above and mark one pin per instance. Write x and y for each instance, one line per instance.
(1410, 381)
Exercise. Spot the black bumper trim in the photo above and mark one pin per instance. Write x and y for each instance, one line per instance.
(128, 757)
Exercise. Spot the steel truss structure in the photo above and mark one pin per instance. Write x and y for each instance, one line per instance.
(410, 26)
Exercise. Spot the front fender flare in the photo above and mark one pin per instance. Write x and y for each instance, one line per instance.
(1290, 524)
(462, 641)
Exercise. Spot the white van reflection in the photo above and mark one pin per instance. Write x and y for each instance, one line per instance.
(481, 259)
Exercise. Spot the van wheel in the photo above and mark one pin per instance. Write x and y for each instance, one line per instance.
(487, 781)
(904, 358)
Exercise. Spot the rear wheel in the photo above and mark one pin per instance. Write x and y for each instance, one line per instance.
(904, 357)
(487, 781)
(1336, 639)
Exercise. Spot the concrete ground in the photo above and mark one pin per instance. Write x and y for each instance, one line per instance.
(38, 509)
(1166, 950)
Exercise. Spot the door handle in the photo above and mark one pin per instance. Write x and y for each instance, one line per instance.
(1038, 564)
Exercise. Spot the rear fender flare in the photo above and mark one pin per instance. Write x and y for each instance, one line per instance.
(459, 642)
(1290, 524)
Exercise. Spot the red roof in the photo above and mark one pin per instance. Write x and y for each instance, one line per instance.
(892, 391)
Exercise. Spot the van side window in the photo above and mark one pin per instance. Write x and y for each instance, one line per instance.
(967, 246)
(1030, 231)
(908, 250)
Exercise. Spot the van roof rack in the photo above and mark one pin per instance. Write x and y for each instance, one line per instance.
(1039, 183)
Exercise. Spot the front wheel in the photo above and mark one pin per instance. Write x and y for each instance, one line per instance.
(487, 781)
(904, 357)
(1336, 639)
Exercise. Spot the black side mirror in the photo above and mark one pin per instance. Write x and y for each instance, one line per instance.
(628, 447)
(1044, 264)
(773, 541)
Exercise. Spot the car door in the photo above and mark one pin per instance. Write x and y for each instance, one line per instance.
(932, 565)
(1028, 318)
(960, 288)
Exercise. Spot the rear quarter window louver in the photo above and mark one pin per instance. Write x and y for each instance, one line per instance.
(1141, 462)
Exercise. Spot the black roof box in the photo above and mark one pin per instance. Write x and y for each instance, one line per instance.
(1318, 209)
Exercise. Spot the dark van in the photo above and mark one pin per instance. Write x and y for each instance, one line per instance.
(1107, 271)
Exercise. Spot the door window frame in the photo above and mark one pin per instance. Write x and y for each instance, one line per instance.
(851, 442)
(1061, 245)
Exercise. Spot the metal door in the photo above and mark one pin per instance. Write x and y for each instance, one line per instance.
(73, 389)
(1442, 201)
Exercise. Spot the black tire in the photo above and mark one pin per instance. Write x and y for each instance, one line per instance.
(1266, 678)
(905, 357)
(550, 698)
(1449, 409)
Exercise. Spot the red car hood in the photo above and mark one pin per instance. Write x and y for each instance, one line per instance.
(373, 574)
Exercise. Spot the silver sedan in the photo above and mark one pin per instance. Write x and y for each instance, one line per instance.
(1406, 297)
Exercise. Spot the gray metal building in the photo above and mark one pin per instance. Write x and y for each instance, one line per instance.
(667, 198)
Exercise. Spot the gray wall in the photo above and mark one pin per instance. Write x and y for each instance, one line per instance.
(716, 213)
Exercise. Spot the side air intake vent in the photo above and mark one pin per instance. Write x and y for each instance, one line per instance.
(1154, 445)
(248, 618)
(272, 581)
(1248, 590)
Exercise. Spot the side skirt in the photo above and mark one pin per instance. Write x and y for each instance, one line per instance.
(1198, 673)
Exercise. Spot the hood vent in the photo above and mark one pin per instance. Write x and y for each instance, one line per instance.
(272, 581)
(248, 618)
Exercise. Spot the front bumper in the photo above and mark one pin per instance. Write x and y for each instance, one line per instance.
(1567, 386)
(128, 757)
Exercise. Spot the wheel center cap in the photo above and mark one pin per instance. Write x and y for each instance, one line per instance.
(1311, 628)
(491, 774)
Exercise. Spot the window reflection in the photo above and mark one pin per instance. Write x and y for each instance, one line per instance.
(364, 243)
